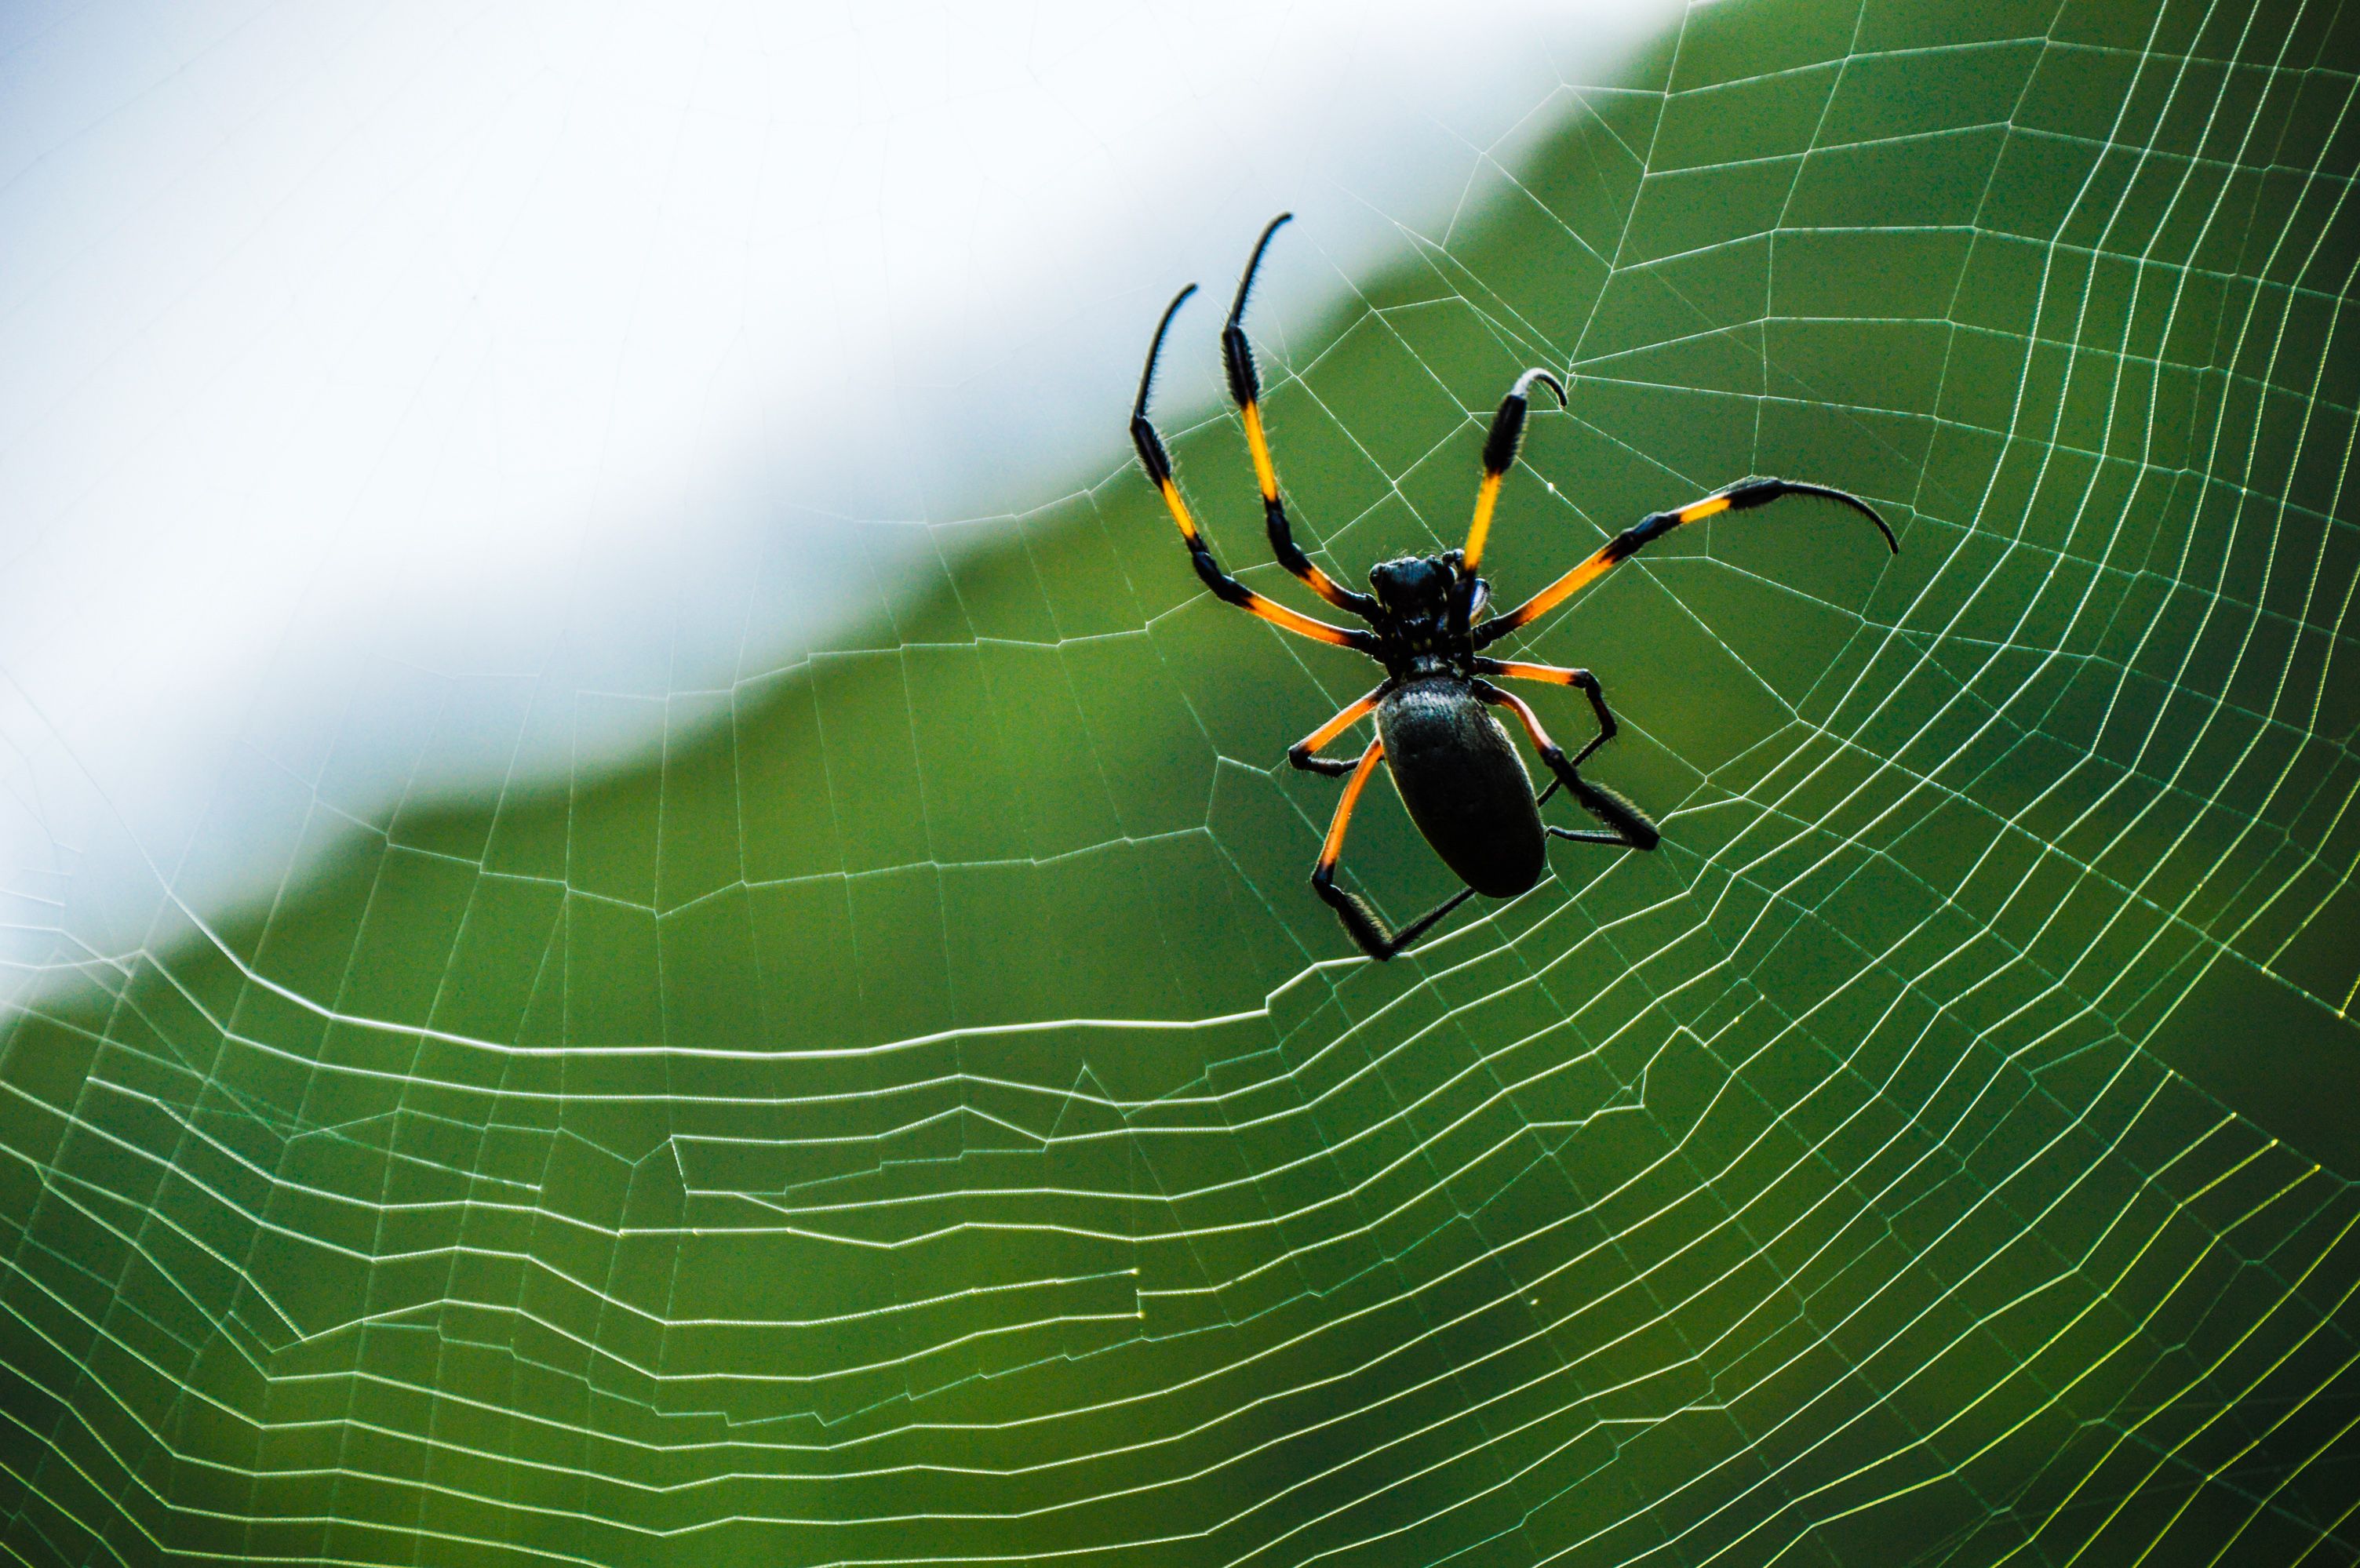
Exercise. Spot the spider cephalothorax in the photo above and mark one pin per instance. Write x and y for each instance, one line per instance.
(1453, 763)
(1417, 623)
(1414, 585)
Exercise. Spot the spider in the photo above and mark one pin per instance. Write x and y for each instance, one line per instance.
(1452, 761)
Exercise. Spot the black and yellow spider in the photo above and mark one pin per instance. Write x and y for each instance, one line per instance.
(1452, 761)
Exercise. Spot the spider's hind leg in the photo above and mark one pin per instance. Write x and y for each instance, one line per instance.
(1625, 824)
(1363, 924)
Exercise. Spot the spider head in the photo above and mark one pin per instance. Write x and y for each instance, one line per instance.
(1415, 587)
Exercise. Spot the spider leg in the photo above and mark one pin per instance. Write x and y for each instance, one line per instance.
(1245, 389)
(1499, 455)
(1625, 823)
(1227, 589)
(1743, 496)
(1303, 752)
(1363, 924)
(1582, 679)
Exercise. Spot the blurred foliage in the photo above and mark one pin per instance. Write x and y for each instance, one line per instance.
(923, 1114)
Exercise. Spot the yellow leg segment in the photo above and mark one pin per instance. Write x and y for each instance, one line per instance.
(1333, 844)
(1487, 497)
(1305, 753)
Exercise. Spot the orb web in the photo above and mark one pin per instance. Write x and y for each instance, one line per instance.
(922, 1115)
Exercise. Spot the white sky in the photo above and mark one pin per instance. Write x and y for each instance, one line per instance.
(405, 398)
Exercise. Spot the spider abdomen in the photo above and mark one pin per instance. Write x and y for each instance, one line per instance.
(1465, 788)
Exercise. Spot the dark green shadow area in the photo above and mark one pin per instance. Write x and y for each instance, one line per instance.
(2277, 1055)
(920, 1113)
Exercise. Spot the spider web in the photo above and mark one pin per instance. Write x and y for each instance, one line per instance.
(922, 1115)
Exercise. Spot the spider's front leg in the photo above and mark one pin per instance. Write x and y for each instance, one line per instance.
(1499, 446)
(1363, 924)
(1157, 464)
(1743, 496)
(1245, 390)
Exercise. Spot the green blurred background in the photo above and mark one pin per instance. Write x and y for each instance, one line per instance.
(923, 1116)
